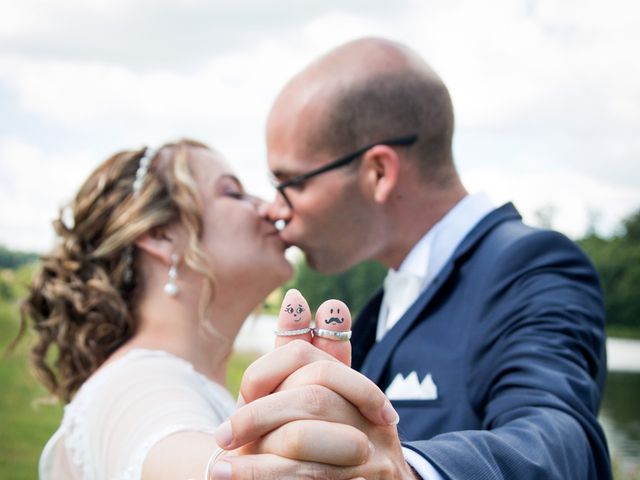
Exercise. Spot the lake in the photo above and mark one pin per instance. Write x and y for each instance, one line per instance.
(619, 415)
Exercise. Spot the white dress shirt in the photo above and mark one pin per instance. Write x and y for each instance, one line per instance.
(425, 260)
(427, 257)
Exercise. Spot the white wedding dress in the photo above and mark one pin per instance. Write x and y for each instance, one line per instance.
(124, 409)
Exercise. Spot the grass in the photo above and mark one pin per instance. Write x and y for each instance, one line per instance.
(26, 425)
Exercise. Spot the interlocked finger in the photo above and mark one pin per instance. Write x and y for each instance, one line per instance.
(318, 441)
(310, 402)
(274, 467)
(349, 384)
(264, 375)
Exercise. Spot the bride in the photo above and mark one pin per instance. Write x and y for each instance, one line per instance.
(162, 255)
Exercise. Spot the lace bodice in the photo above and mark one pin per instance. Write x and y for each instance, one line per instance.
(127, 407)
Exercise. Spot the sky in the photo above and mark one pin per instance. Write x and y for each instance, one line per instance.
(546, 93)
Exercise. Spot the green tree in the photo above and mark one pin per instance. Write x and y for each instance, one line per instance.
(618, 262)
(353, 287)
(632, 228)
(6, 289)
(15, 259)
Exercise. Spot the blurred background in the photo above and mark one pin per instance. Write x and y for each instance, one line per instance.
(547, 99)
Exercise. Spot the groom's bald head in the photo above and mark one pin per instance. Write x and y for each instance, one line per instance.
(366, 91)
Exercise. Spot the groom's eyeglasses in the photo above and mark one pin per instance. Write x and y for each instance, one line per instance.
(299, 180)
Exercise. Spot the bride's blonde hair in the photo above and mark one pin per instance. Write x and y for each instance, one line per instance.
(82, 300)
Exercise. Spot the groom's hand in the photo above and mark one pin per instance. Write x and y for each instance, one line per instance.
(308, 414)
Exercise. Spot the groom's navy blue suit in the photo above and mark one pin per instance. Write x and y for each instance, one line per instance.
(511, 331)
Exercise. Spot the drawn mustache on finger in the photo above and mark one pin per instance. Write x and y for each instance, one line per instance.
(335, 320)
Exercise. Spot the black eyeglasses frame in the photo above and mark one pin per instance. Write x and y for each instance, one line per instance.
(340, 162)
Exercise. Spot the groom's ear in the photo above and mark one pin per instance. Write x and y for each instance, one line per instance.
(382, 166)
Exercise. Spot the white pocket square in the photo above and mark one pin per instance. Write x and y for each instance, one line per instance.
(410, 388)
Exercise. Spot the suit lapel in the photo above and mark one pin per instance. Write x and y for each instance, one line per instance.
(364, 331)
(376, 360)
(374, 356)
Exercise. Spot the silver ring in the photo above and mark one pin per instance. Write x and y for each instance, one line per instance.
(212, 461)
(332, 334)
(291, 333)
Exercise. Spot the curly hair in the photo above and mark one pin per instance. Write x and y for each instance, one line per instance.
(82, 301)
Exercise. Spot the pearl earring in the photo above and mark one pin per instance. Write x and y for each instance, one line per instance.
(171, 288)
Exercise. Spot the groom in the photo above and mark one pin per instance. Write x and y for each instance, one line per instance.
(488, 336)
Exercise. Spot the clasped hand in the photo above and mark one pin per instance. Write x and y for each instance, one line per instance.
(304, 413)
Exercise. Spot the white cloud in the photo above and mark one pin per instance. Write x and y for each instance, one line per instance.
(151, 34)
(35, 185)
(573, 197)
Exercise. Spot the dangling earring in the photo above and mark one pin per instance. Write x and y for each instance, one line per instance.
(171, 288)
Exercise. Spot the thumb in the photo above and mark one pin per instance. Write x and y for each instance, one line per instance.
(333, 316)
(294, 316)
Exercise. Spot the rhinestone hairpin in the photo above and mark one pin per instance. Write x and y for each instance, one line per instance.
(143, 169)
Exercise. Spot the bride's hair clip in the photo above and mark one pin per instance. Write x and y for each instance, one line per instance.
(143, 169)
(141, 174)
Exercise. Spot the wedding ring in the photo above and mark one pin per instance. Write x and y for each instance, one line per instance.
(212, 460)
(332, 334)
(291, 333)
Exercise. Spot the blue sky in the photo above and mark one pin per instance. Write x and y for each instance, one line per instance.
(547, 93)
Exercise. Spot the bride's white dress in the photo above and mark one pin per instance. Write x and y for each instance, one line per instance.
(124, 409)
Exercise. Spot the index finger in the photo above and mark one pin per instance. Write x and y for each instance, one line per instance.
(264, 375)
(294, 319)
(333, 330)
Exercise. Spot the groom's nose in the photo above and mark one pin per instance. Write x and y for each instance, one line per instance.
(279, 210)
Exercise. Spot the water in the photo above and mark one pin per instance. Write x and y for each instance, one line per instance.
(620, 417)
(620, 413)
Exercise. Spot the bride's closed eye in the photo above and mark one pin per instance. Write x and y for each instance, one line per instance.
(232, 188)
(235, 194)
(229, 186)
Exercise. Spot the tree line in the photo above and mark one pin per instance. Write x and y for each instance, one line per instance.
(617, 260)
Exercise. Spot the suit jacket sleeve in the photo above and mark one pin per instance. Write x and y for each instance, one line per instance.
(535, 370)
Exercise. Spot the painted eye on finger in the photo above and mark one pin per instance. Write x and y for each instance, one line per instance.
(296, 312)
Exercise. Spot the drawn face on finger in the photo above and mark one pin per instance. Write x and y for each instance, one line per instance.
(335, 317)
(294, 310)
